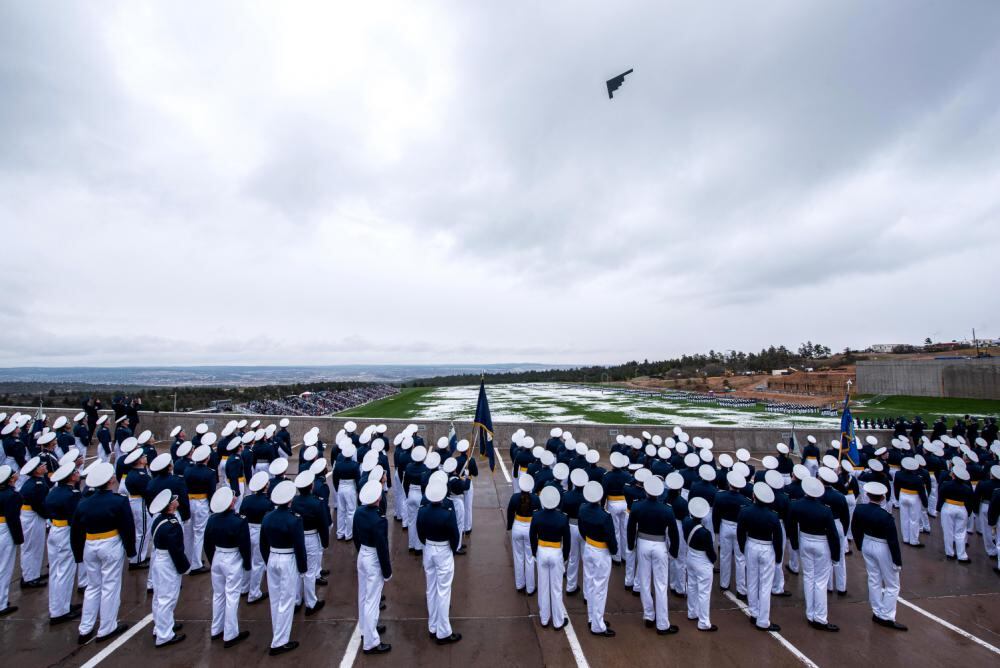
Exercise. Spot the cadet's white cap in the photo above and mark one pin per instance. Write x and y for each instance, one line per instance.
(774, 479)
(743, 455)
(432, 460)
(875, 465)
(813, 487)
(592, 456)
(209, 439)
(144, 437)
(50, 436)
(463, 445)
(366, 437)
(5, 473)
(770, 462)
(350, 426)
(100, 474)
(406, 443)
(283, 493)
(102, 419)
(681, 448)
(801, 472)
(378, 445)
(32, 464)
(450, 465)
(310, 439)
(698, 507)
(674, 480)
(229, 428)
(549, 496)
(961, 473)
(871, 440)
(537, 451)
(63, 471)
(650, 450)
(247, 438)
(255, 424)
(663, 452)
(160, 462)
(202, 428)
(233, 444)
(381, 429)
(318, 466)
(706, 456)
(578, 477)
(129, 444)
(827, 475)
(371, 492)
(8, 429)
(620, 439)
(706, 473)
(134, 456)
(222, 499)
(369, 461)
(875, 488)
(548, 459)
(258, 481)
(811, 439)
(438, 476)
(909, 463)
(419, 453)
(742, 469)
(348, 449)
(995, 471)
(642, 474)
(657, 440)
(556, 432)
(76, 418)
(184, 449)
(920, 460)
(201, 453)
(525, 482)
(241, 424)
(305, 479)
(310, 453)
(436, 491)
(735, 480)
(782, 448)
(560, 471)
(831, 462)
(726, 460)
(646, 435)
(763, 492)
(691, 460)
(278, 466)
(653, 486)
(60, 422)
(881, 451)
(71, 456)
(284, 422)
(593, 491)
(161, 501)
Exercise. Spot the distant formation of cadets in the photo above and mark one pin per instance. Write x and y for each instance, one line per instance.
(669, 509)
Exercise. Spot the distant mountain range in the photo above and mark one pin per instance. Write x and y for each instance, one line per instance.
(175, 376)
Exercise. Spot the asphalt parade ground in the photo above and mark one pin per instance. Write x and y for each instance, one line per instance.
(952, 610)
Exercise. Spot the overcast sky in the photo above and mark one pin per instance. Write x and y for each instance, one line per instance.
(234, 182)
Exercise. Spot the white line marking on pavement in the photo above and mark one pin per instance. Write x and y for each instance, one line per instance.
(574, 645)
(121, 640)
(352, 648)
(774, 634)
(978, 641)
(503, 467)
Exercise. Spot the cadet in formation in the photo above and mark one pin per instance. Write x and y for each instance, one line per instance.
(227, 546)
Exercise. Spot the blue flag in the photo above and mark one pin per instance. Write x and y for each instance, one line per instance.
(848, 440)
(483, 426)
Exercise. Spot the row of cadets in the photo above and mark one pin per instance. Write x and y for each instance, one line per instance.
(371, 540)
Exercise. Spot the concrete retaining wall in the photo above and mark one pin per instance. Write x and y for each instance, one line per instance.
(960, 378)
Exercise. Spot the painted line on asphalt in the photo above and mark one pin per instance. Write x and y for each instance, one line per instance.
(121, 640)
(574, 644)
(774, 634)
(353, 646)
(948, 625)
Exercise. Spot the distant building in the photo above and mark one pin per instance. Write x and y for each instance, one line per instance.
(782, 372)
(884, 347)
(823, 383)
(222, 405)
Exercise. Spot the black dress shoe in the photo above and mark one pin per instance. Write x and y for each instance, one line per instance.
(711, 629)
(784, 594)
(773, 627)
(177, 627)
(573, 592)
(949, 557)
(679, 594)
(85, 638)
(324, 571)
(563, 625)
(173, 641)
(742, 597)
(381, 606)
(520, 591)
(917, 545)
(607, 633)
(217, 636)
(62, 619)
(842, 593)
(454, 637)
(650, 623)
(670, 630)
(460, 551)
(298, 606)
(287, 647)
(33, 584)
(243, 635)
(322, 582)
(381, 649)
(120, 629)
(316, 608)
(198, 571)
(965, 561)
(380, 628)
(832, 628)
(8, 610)
(889, 623)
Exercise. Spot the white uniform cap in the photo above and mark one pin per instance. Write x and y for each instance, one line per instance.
(222, 499)
(618, 460)
(726, 460)
(691, 460)
(770, 462)
(318, 466)
(432, 460)
(378, 445)
(350, 426)
(681, 448)
(813, 487)
(698, 507)
(258, 481)
(537, 451)
(801, 472)
(255, 424)
(592, 491)
(436, 491)
(634, 467)
(674, 480)
(450, 465)
(71, 456)
(642, 474)
(419, 454)
(875, 488)
(567, 435)
(578, 477)
(663, 452)
(646, 435)
(305, 479)
(32, 464)
(706, 473)
(310, 453)
(774, 479)
(247, 438)
(920, 460)
(827, 475)
(100, 474)
(144, 437)
(763, 492)
(406, 443)
(995, 471)
(283, 493)
(653, 486)
(442, 442)
(742, 469)
(909, 463)
(657, 440)
(683, 438)
(560, 471)
(581, 448)
(381, 429)
(556, 432)
(8, 429)
(365, 438)
(438, 477)
(369, 461)
(101, 420)
(63, 471)
(201, 453)
(284, 422)
(371, 492)
(875, 465)
(129, 444)
(160, 462)
(278, 466)
(735, 480)
(50, 436)
(525, 482)
(811, 439)
(743, 455)
(241, 424)
(548, 459)
(830, 462)
(650, 450)
(463, 445)
(636, 444)
(961, 473)
(973, 457)
(348, 449)
(25, 419)
(229, 428)
(202, 428)
(782, 448)
(310, 439)
(620, 439)
(184, 449)
(707, 443)
(76, 418)
(696, 441)
(835, 443)
(549, 496)
(398, 438)
(161, 501)
(60, 422)
(209, 439)
(706, 456)
(134, 456)
(871, 440)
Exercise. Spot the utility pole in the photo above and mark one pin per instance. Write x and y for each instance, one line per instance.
(975, 341)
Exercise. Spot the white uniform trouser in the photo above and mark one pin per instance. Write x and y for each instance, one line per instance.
(852, 502)
(812, 464)
(883, 578)
(166, 590)
(7, 552)
(413, 497)
(468, 495)
(678, 571)
(370, 583)
(619, 518)
(142, 524)
(399, 501)
(630, 558)
(459, 503)
(282, 585)
(575, 556)
(33, 547)
(989, 541)
(729, 551)
(550, 583)
(932, 498)
(596, 577)
(105, 561)
(347, 503)
(814, 551)
(199, 520)
(760, 578)
(257, 565)
(524, 561)
(103, 454)
(62, 571)
(653, 573)
(838, 571)
(314, 557)
(699, 587)
(439, 569)
(909, 517)
(227, 580)
(953, 519)
(778, 581)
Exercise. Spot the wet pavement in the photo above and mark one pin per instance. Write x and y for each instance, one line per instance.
(500, 627)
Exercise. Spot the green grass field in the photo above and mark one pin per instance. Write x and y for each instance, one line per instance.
(928, 408)
(402, 405)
